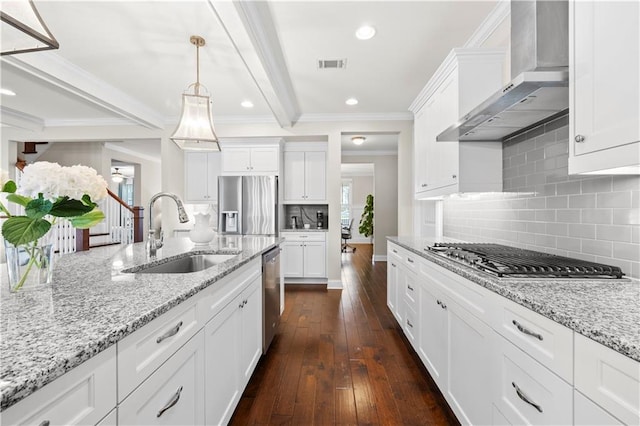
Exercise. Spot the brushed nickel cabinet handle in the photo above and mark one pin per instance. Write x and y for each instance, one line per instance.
(410, 260)
(170, 333)
(393, 264)
(409, 287)
(45, 423)
(409, 324)
(443, 305)
(424, 185)
(523, 396)
(395, 251)
(173, 401)
(526, 331)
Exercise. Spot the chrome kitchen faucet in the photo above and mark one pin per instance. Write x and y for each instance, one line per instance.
(154, 244)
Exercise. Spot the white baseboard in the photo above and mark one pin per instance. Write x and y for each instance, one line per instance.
(305, 280)
(380, 258)
(334, 285)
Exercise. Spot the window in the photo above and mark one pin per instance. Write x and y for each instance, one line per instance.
(345, 203)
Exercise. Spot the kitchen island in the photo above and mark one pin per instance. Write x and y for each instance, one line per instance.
(93, 303)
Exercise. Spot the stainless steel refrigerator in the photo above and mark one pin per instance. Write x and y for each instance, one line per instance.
(248, 205)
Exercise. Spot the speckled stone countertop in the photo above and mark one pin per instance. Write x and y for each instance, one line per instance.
(92, 304)
(607, 311)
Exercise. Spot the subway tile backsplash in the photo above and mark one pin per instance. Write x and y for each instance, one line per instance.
(542, 208)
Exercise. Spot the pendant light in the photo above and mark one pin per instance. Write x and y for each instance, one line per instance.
(23, 30)
(195, 129)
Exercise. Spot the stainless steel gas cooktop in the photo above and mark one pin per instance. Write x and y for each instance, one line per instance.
(502, 261)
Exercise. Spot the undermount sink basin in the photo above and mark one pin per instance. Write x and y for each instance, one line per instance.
(184, 264)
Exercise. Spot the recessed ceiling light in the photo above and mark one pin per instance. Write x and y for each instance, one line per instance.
(7, 92)
(365, 32)
(351, 101)
(247, 104)
(358, 140)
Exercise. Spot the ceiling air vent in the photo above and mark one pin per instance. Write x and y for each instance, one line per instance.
(332, 63)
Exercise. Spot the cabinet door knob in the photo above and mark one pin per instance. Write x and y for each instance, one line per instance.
(579, 138)
(424, 185)
(454, 176)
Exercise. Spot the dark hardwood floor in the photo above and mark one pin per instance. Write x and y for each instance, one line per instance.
(339, 357)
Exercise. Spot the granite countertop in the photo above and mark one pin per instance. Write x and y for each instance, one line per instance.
(92, 304)
(605, 310)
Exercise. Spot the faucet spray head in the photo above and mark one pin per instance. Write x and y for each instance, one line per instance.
(182, 214)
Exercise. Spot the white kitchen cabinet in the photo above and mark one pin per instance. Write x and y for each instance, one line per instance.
(604, 89)
(173, 394)
(304, 255)
(465, 79)
(233, 345)
(608, 378)
(305, 173)
(110, 419)
(526, 392)
(83, 395)
(201, 176)
(393, 279)
(588, 413)
(455, 346)
(250, 160)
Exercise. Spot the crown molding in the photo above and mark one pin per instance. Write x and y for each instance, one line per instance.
(331, 117)
(88, 122)
(15, 118)
(115, 147)
(244, 119)
(494, 19)
(57, 71)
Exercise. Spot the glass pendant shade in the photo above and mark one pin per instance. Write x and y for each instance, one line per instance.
(22, 28)
(195, 130)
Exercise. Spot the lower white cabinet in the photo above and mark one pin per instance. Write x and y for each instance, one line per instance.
(81, 396)
(233, 348)
(588, 413)
(608, 378)
(525, 391)
(304, 255)
(110, 419)
(393, 278)
(173, 394)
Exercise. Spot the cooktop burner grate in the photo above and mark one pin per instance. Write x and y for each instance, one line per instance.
(504, 260)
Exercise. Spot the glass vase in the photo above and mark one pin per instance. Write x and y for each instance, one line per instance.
(29, 266)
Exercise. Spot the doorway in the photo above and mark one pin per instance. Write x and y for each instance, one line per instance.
(357, 184)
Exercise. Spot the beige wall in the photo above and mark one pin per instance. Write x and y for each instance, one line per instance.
(385, 202)
(361, 186)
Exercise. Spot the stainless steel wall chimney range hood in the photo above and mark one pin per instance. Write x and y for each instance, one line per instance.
(539, 88)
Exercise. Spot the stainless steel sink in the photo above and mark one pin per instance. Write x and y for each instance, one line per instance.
(183, 265)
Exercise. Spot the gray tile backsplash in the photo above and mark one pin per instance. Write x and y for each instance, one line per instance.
(542, 208)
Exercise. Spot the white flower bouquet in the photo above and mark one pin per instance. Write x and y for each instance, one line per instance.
(49, 191)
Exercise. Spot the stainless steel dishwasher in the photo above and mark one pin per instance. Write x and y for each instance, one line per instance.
(270, 296)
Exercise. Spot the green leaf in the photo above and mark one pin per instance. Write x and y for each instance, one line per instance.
(21, 229)
(88, 220)
(86, 199)
(38, 208)
(9, 186)
(65, 207)
(19, 199)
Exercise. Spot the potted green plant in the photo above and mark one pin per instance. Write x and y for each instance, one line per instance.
(366, 220)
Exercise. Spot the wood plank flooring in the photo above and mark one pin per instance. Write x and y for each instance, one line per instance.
(339, 357)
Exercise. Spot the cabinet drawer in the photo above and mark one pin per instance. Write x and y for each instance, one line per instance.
(304, 236)
(470, 296)
(545, 340)
(588, 413)
(526, 392)
(141, 353)
(83, 395)
(410, 290)
(174, 394)
(608, 378)
(410, 325)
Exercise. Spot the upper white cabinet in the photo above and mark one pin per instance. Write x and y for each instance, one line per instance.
(604, 90)
(305, 172)
(201, 176)
(241, 158)
(465, 79)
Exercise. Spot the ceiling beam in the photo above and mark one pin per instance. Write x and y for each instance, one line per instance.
(250, 28)
(14, 118)
(53, 69)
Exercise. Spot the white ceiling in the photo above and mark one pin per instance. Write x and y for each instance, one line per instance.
(375, 144)
(129, 61)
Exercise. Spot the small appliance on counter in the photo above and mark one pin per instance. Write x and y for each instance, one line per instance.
(319, 220)
(294, 222)
(248, 205)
